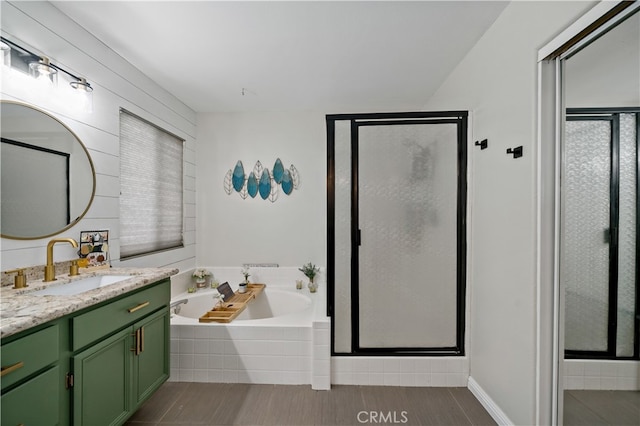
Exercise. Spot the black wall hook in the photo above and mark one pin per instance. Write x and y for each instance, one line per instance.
(483, 144)
(517, 151)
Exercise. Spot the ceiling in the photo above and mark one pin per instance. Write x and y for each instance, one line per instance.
(343, 56)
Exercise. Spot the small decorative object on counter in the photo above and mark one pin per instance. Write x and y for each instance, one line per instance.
(215, 283)
(225, 290)
(94, 250)
(242, 287)
(310, 271)
(245, 272)
(191, 290)
(299, 284)
(219, 300)
(200, 276)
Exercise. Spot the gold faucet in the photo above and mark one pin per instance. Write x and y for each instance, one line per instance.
(50, 269)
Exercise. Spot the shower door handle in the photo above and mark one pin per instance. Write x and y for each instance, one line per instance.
(613, 238)
(610, 235)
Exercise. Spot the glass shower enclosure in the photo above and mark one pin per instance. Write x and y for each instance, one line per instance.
(599, 267)
(396, 237)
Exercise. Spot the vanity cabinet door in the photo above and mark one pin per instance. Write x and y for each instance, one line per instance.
(102, 381)
(151, 359)
(35, 402)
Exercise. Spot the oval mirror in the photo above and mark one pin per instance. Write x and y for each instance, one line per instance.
(48, 179)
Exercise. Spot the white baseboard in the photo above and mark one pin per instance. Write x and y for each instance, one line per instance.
(492, 408)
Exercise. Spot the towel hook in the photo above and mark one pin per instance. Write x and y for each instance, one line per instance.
(483, 144)
(517, 151)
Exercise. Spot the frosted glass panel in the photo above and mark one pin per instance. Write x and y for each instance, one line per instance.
(585, 251)
(407, 184)
(627, 241)
(342, 304)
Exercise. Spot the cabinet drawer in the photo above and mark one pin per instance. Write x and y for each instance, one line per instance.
(96, 324)
(29, 354)
(36, 402)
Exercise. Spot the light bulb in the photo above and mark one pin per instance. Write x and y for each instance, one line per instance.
(83, 93)
(6, 54)
(43, 72)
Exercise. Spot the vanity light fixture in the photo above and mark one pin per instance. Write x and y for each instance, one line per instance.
(5, 49)
(43, 70)
(84, 92)
(82, 85)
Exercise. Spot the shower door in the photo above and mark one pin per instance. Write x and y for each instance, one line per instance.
(398, 199)
(599, 233)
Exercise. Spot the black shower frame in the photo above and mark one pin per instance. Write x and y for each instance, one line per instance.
(434, 117)
(613, 115)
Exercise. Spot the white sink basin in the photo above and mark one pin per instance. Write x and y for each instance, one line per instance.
(80, 286)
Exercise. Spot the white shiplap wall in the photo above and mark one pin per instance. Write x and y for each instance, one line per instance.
(43, 29)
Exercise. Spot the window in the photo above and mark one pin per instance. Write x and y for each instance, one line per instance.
(150, 187)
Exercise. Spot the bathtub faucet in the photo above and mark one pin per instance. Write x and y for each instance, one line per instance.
(176, 305)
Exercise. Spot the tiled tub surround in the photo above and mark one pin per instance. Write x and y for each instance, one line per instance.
(289, 349)
(601, 375)
(21, 310)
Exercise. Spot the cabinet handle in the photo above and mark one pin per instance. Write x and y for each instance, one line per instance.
(11, 368)
(137, 344)
(140, 306)
(141, 340)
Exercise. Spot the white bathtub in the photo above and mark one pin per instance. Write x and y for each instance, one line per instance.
(273, 306)
(282, 337)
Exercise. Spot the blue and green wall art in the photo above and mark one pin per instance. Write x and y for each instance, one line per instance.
(262, 181)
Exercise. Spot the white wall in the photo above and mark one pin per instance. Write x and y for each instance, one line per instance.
(497, 82)
(41, 28)
(290, 231)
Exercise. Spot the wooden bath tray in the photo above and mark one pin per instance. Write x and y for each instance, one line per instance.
(234, 306)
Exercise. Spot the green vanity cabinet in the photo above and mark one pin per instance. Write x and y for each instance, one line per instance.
(24, 356)
(115, 376)
(151, 365)
(30, 373)
(92, 367)
(102, 382)
(35, 402)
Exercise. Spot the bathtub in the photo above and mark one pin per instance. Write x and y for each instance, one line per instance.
(282, 337)
(272, 306)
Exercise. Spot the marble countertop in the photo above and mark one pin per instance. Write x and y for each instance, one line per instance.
(20, 309)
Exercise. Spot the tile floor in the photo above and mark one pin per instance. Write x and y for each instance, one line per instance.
(594, 408)
(178, 403)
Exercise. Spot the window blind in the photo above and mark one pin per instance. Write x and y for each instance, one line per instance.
(151, 188)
